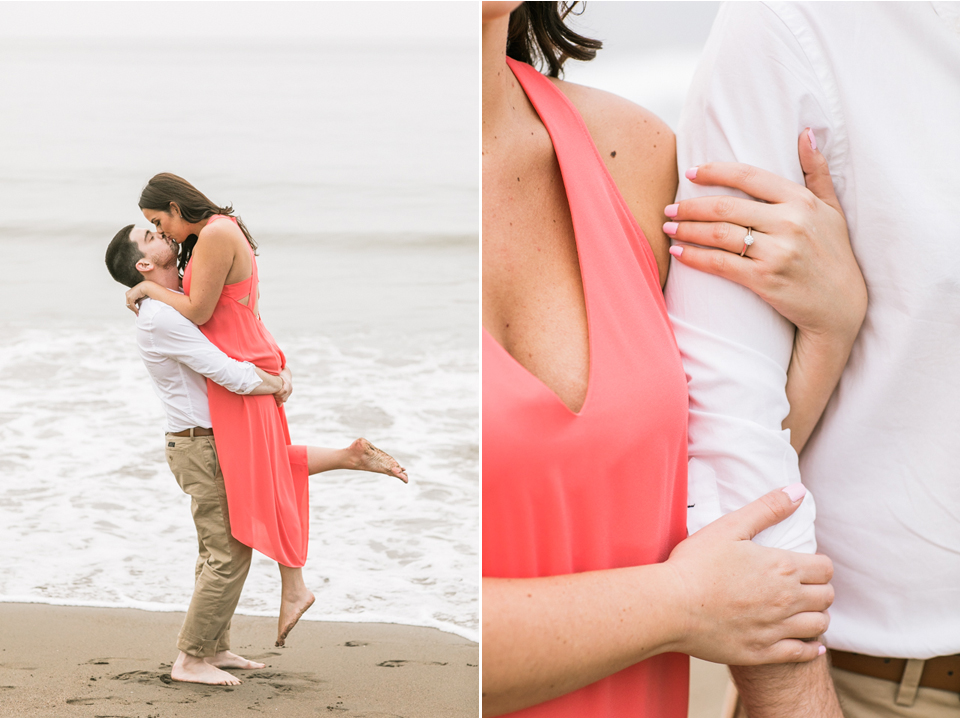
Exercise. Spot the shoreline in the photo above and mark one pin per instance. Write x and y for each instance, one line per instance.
(88, 662)
(466, 634)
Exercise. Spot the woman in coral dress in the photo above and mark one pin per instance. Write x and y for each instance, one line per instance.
(592, 592)
(266, 477)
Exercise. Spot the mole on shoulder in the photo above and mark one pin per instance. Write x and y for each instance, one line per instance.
(613, 154)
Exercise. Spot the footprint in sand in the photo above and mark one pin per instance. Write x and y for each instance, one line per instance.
(286, 682)
(18, 666)
(93, 700)
(400, 662)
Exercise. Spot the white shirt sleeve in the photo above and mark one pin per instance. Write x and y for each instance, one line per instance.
(752, 95)
(177, 337)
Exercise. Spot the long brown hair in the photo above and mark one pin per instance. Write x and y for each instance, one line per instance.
(164, 188)
(539, 36)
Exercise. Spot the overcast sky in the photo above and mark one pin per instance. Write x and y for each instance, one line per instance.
(188, 20)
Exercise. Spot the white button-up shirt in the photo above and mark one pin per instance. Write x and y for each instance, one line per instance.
(179, 360)
(879, 83)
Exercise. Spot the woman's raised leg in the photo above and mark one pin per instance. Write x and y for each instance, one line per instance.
(361, 455)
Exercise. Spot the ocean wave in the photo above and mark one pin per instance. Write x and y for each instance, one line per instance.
(90, 514)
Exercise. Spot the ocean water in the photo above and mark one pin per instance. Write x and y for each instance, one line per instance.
(355, 167)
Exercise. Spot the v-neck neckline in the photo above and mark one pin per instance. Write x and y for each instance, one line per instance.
(580, 263)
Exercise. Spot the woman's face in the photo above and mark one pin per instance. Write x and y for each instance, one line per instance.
(169, 224)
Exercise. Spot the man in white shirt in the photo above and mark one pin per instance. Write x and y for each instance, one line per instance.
(879, 84)
(179, 359)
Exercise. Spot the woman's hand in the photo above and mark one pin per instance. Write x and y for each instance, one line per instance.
(747, 604)
(287, 377)
(136, 293)
(719, 596)
(800, 262)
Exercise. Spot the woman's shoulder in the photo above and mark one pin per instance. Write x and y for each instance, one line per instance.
(640, 152)
(221, 226)
(614, 120)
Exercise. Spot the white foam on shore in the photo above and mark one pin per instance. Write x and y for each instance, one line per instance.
(90, 514)
(173, 608)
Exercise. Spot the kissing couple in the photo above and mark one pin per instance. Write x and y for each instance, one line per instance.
(223, 381)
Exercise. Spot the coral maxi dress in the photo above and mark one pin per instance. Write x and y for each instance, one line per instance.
(604, 488)
(266, 478)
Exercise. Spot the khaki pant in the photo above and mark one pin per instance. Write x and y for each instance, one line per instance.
(223, 562)
(866, 697)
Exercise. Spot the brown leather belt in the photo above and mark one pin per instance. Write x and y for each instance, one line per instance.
(195, 431)
(942, 672)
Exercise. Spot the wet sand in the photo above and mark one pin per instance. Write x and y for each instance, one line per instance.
(115, 662)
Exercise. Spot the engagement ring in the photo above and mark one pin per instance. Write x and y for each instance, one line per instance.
(747, 241)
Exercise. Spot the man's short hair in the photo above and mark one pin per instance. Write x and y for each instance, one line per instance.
(122, 257)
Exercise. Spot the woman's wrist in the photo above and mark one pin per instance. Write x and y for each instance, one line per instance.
(816, 365)
(151, 289)
(820, 350)
(681, 599)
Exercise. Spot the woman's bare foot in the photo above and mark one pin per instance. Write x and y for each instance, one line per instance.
(190, 669)
(290, 611)
(226, 659)
(368, 457)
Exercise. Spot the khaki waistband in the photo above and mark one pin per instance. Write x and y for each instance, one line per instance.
(942, 672)
(192, 432)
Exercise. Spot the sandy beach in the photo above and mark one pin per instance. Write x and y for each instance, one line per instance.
(115, 663)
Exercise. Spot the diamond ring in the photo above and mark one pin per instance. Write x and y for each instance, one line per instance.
(747, 241)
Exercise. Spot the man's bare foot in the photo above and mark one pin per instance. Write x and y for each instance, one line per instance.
(290, 611)
(190, 669)
(226, 659)
(369, 458)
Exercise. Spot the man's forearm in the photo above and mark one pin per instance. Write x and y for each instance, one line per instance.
(270, 384)
(788, 690)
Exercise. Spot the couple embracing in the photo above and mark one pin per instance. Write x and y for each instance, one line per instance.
(223, 381)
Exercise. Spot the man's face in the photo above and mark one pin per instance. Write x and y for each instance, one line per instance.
(162, 252)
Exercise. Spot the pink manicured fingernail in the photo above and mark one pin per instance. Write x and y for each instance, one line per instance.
(821, 650)
(670, 228)
(671, 210)
(691, 173)
(813, 139)
(796, 492)
(676, 250)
